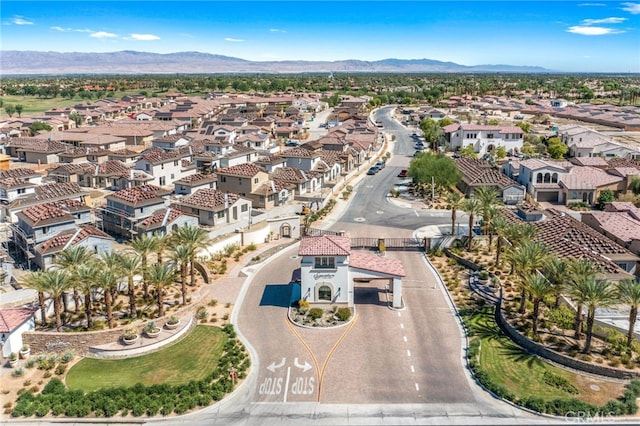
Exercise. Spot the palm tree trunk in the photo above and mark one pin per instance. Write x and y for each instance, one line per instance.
(76, 300)
(109, 308)
(490, 240)
(590, 320)
(63, 298)
(470, 232)
(145, 286)
(453, 221)
(132, 299)
(498, 250)
(536, 312)
(523, 300)
(633, 315)
(192, 272)
(578, 322)
(43, 309)
(87, 309)
(183, 282)
(56, 310)
(160, 303)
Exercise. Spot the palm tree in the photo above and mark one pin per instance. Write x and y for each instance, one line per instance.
(491, 214)
(181, 255)
(194, 238)
(488, 198)
(144, 245)
(70, 259)
(454, 202)
(500, 227)
(580, 270)
(86, 274)
(472, 207)
(130, 265)
(56, 282)
(161, 276)
(34, 280)
(527, 259)
(628, 292)
(112, 261)
(162, 243)
(539, 288)
(106, 280)
(557, 272)
(595, 293)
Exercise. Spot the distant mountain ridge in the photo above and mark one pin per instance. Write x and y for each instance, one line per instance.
(14, 62)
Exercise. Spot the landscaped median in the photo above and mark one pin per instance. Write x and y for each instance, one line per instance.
(194, 372)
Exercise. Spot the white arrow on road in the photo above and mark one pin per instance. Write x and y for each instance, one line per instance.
(273, 366)
(305, 367)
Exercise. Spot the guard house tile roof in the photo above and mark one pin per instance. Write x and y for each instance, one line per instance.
(326, 245)
(139, 194)
(372, 262)
(72, 237)
(241, 170)
(207, 198)
(12, 318)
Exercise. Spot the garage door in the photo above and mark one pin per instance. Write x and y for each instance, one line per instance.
(548, 196)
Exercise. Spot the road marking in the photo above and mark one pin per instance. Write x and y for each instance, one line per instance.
(401, 326)
(413, 370)
(331, 352)
(408, 353)
(417, 387)
(399, 314)
(305, 367)
(416, 212)
(404, 338)
(273, 366)
(286, 387)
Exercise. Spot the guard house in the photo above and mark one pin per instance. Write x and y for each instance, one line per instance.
(328, 270)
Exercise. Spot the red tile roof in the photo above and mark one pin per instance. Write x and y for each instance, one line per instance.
(207, 198)
(326, 245)
(139, 193)
(372, 262)
(162, 217)
(12, 318)
(72, 236)
(241, 170)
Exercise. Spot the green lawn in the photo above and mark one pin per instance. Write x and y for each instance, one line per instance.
(511, 367)
(192, 358)
(34, 106)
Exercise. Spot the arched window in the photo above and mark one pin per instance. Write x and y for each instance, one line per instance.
(554, 178)
(324, 293)
(539, 178)
(547, 177)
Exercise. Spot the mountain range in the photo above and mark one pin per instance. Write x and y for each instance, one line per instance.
(132, 62)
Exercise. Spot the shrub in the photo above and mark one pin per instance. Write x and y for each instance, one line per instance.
(18, 372)
(315, 313)
(343, 314)
(67, 357)
(252, 247)
(55, 386)
(31, 362)
(202, 313)
(60, 369)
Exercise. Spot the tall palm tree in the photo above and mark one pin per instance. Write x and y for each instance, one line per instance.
(500, 227)
(70, 259)
(112, 261)
(194, 238)
(491, 213)
(162, 243)
(472, 207)
(454, 202)
(488, 198)
(628, 292)
(597, 293)
(557, 272)
(56, 282)
(539, 288)
(34, 280)
(87, 274)
(144, 245)
(106, 280)
(181, 255)
(161, 276)
(130, 265)
(526, 259)
(580, 270)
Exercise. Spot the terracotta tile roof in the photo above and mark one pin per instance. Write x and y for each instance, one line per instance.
(139, 194)
(160, 156)
(620, 225)
(162, 217)
(71, 168)
(271, 187)
(624, 162)
(242, 170)
(12, 183)
(326, 245)
(299, 152)
(535, 164)
(44, 214)
(38, 145)
(207, 198)
(587, 178)
(478, 172)
(20, 172)
(125, 152)
(196, 179)
(589, 161)
(290, 174)
(12, 318)
(372, 262)
(72, 237)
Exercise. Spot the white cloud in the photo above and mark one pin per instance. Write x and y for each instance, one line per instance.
(591, 31)
(591, 5)
(233, 40)
(276, 30)
(19, 20)
(144, 37)
(633, 8)
(103, 34)
(603, 21)
(59, 29)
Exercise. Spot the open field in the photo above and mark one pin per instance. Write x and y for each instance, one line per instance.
(34, 106)
(192, 358)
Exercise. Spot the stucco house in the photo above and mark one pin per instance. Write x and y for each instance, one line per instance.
(484, 138)
(14, 322)
(329, 270)
(213, 207)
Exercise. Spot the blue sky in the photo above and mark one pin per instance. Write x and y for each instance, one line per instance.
(571, 36)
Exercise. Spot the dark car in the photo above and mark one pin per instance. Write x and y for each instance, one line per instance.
(403, 173)
(372, 170)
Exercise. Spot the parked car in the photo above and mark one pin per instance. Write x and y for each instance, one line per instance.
(380, 165)
(403, 173)
(372, 170)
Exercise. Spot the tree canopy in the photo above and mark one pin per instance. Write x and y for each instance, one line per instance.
(441, 168)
